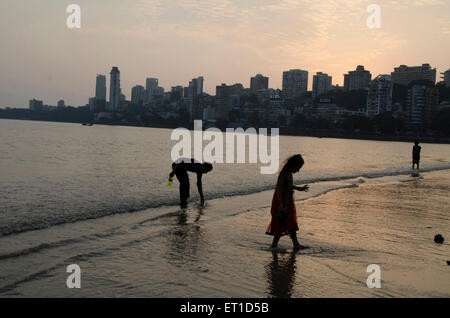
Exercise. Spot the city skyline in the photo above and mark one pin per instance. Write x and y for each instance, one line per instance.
(152, 83)
(224, 41)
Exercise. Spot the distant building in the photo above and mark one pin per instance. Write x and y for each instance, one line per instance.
(151, 83)
(92, 104)
(357, 79)
(422, 103)
(195, 91)
(36, 104)
(100, 87)
(326, 109)
(446, 77)
(268, 94)
(100, 93)
(123, 99)
(258, 82)
(295, 83)
(321, 84)
(379, 96)
(137, 95)
(404, 75)
(177, 89)
(236, 89)
(200, 81)
(337, 87)
(114, 90)
(158, 91)
(209, 114)
(61, 104)
(221, 102)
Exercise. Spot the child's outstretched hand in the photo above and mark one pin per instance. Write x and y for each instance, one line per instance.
(305, 188)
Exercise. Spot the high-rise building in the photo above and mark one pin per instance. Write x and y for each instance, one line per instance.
(137, 95)
(151, 83)
(92, 104)
(200, 81)
(422, 103)
(379, 96)
(357, 79)
(36, 104)
(178, 89)
(114, 90)
(446, 77)
(404, 75)
(321, 84)
(236, 89)
(258, 82)
(100, 93)
(295, 83)
(221, 102)
(158, 91)
(195, 94)
(100, 87)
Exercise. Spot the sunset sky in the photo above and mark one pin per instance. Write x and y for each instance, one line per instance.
(226, 41)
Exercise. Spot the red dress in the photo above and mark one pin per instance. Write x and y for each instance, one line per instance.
(281, 222)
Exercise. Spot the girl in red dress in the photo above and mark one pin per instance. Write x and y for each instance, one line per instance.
(284, 215)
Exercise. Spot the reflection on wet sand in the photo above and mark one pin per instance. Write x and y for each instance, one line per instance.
(280, 274)
(185, 239)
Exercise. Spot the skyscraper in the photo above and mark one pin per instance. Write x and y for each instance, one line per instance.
(446, 78)
(150, 86)
(151, 83)
(404, 75)
(258, 82)
(295, 83)
(114, 89)
(200, 80)
(379, 96)
(100, 93)
(221, 102)
(357, 79)
(321, 84)
(92, 104)
(137, 95)
(178, 90)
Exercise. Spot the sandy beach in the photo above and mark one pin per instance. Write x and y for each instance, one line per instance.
(221, 250)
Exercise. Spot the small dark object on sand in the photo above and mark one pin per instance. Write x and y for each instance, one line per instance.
(448, 262)
(439, 239)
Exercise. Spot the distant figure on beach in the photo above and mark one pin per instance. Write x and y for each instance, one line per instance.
(180, 168)
(284, 215)
(416, 154)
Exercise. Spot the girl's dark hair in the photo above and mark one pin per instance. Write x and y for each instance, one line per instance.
(295, 160)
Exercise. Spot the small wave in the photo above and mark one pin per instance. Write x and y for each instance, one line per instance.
(154, 205)
(37, 248)
(31, 277)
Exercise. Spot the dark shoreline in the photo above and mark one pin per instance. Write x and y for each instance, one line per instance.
(284, 131)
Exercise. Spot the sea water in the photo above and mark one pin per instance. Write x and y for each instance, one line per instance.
(98, 197)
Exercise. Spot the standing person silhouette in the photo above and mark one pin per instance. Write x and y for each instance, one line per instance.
(180, 168)
(416, 154)
(284, 215)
